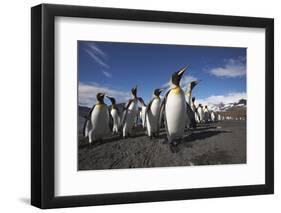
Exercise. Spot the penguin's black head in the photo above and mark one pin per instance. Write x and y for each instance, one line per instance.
(157, 92)
(113, 101)
(206, 106)
(192, 84)
(134, 91)
(100, 97)
(176, 77)
(199, 105)
(193, 99)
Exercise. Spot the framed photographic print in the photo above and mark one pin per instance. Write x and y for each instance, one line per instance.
(139, 106)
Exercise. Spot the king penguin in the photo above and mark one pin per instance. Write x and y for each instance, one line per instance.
(213, 116)
(219, 117)
(152, 113)
(207, 116)
(194, 109)
(130, 113)
(97, 123)
(201, 113)
(114, 115)
(190, 87)
(191, 110)
(174, 108)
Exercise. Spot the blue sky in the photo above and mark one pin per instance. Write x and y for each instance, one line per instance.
(115, 68)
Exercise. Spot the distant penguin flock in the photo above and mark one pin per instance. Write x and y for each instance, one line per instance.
(176, 111)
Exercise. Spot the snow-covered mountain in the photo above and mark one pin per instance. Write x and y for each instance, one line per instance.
(241, 104)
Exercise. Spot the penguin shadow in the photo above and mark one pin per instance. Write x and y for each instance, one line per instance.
(140, 132)
(174, 149)
(202, 135)
(205, 128)
(194, 136)
(83, 143)
(86, 144)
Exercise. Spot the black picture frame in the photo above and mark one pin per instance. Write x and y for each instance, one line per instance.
(43, 117)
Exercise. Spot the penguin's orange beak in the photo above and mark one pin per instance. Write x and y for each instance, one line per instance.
(162, 89)
(182, 71)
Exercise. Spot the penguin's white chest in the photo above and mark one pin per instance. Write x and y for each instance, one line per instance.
(133, 106)
(143, 108)
(175, 113)
(115, 116)
(100, 120)
(201, 113)
(153, 114)
(155, 107)
(213, 116)
(131, 113)
(207, 114)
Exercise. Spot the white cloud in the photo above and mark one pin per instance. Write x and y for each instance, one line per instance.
(87, 94)
(107, 74)
(98, 51)
(231, 69)
(217, 99)
(99, 57)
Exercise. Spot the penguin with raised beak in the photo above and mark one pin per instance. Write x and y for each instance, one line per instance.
(189, 90)
(174, 109)
(207, 116)
(113, 110)
(201, 114)
(130, 113)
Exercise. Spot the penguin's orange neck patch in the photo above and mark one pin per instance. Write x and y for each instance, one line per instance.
(99, 105)
(176, 90)
(157, 97)
(188, 93)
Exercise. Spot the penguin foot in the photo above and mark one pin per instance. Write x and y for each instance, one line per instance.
(174, 143)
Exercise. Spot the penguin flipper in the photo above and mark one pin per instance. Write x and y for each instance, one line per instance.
(141, 101)
(86, 128)
(110, 124)
(87, 122)
(121, 121)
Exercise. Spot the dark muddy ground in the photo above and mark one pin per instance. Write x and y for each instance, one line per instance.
(210, 144)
